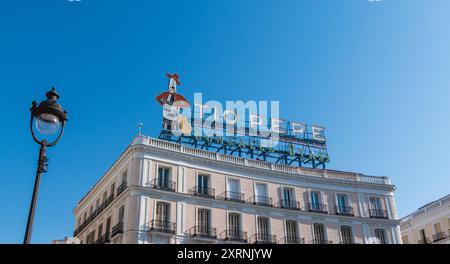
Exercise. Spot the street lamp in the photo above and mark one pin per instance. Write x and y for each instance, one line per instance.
(49, 119)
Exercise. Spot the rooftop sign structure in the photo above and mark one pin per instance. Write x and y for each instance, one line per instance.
(241, 129)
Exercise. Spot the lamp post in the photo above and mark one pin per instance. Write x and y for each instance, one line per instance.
(50, 119)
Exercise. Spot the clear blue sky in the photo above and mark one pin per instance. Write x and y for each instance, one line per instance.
(375, 74)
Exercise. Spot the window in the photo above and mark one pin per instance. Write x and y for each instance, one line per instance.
(423, 236)
(234, 225)
(203, 221)
(346, 235)
(91, 210)
(113, 187)
(108, 227)
(380, 234)
(85, 216)
(315, 200)
(163, 177)
(121, 213)
(233, 189)
(288, 197)
(291, 232)
(319, 233)
(261, 194)
(375, 203)
(124, 177)
(105, 194)
(79, 222)
(162, 214)
(342, 201)
(90, 238)
(203, 183)
(263, 229)
(97, 203)
(100, 231)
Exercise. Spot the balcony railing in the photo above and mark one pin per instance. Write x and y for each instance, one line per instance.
(117, 229)
(321, 241)
(292, 240)
(94, 214)
(202, 191)
(103, 239)
(261, 200)
(163, 185)
(376, 213)
(424, 241)
(202, 232)
(344, 210)
(317, 208)
(162, 226)
(439, 236)
(232, 196)
(121, 188)
(260, 238)
(289, 204)
(234, 235)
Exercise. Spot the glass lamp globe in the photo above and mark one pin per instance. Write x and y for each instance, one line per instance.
(47, 123)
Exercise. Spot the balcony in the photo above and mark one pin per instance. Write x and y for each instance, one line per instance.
(95, 213)
(163, 185)
(121, 188)
(424, 241)
(162, 226)
(232, 196)
(321, 241)
(117, 229)
(292, 239)
(261, 200)
(317, 208)
(201, 191)
(381, 214)
(439, 236)
(103, 239)
(202, 232)
(260, 238)
(234, 235)
(344, 210)
(289, 204)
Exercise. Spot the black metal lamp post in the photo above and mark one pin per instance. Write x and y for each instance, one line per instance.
(50, 119)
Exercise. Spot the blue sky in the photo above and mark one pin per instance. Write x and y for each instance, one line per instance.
(375, 74)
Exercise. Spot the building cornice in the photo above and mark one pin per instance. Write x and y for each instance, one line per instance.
(151, 145)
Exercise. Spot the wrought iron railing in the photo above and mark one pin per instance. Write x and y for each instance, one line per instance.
(117, 229)
(317, 208)
(163, 185)
(261, 238)
(202, 232)
(377, 213)
(321, 241)
(439, 236)
(261, 200)
(234, 235)
(94, 214)
(202, 191)
(162, 226)
(344, 210)
(121, 188)
(289, 204)
(292, 239)
(232, 196)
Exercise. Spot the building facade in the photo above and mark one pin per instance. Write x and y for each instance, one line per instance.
(430, 224)
(163, 192)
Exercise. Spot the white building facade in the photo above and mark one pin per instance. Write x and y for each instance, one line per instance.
(163, 192)
(430, 224)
